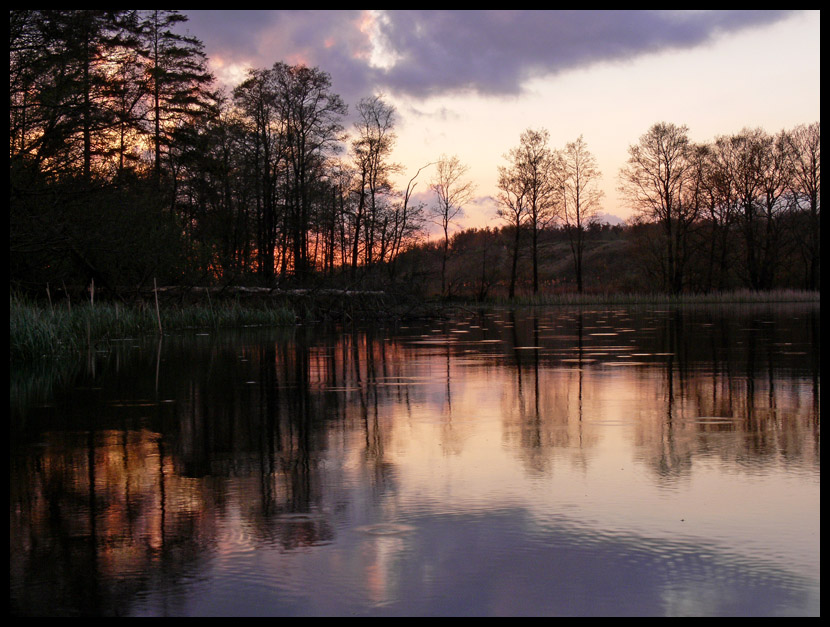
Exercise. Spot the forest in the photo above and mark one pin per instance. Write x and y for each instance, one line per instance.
(130, 167)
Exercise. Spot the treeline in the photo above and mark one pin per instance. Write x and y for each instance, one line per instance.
(743, 210)
(129, 166)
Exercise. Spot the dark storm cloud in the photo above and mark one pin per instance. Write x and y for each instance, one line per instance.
(492, 52)
(489, 52)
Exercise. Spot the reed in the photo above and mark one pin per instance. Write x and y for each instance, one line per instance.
(35, 331)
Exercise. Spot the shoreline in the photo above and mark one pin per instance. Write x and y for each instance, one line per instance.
(38, 330)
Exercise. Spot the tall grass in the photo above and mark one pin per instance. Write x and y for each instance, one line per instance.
(35, 330)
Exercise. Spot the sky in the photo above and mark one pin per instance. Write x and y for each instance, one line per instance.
(467, 83)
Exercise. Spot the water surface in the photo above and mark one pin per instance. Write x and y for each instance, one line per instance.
(531, 462)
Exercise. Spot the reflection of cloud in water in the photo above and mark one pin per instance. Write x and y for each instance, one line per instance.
(495, 564)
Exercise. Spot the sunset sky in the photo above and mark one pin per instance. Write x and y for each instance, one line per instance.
(467, 83)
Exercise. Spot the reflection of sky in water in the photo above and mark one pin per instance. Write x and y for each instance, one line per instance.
(487, 468)
(497, 562)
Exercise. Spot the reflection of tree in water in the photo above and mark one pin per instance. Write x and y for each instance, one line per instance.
(721, 382)
(543, 405)
(674, 458)
(133, 502)
(92, 527)
(126, 492)
(371, 368)
(729, 390)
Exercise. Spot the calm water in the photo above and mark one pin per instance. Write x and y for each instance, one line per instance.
(504, 463)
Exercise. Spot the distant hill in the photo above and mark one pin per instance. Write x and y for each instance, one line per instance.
(609, 218)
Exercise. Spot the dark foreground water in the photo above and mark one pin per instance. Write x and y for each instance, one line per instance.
(534, 462)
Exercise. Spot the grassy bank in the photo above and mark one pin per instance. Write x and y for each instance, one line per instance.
(37, 330)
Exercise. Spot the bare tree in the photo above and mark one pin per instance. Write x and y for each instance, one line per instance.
(720, 212)
(534, 177)
(539, 169)
(407, 223)
(512, 209)
(652, 181)
(452, 192)
(803, 145)
(255, 99)
(754, 164)
(772, 206)
(581, 198)
(311, 118)
(371, 149)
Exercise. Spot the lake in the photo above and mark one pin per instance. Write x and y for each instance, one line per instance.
(593, 461)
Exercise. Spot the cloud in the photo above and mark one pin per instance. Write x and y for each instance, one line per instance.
(333, 41)
(494, 52)
(423, 53)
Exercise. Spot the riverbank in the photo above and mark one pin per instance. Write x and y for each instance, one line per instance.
(657, 298)
(37, 329)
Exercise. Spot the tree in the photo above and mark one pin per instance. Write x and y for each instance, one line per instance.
(512, 209)
(371, 149)
(755, 167)
(231, 224)
(529, 192)
(581, 198)
(74, 208)
(255, 98)
(652, 181)
(127, 91)
(539, 171)
(803, 153)
(452, 192)
(311, 116)
(63, 75)
(177, 76)
(720, 212)
(773, 206)
(408, 221)
(88, 32)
